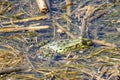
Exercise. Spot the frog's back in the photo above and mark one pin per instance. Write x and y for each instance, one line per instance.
(62, 46)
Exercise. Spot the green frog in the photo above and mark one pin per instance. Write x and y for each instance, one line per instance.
(67, 45)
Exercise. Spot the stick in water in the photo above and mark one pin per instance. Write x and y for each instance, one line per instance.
(42, 4)
(12, 29)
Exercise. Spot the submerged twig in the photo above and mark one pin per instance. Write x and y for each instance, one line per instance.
(80, 6)
(10, 70)
(98, 15)
(42, 4)
(83, 28)
(28, 60)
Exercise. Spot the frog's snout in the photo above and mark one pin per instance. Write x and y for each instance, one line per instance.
(87, 42)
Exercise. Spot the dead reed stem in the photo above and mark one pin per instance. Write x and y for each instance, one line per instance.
(27, 19)
(83, 28)
(42, 4)
(102, 42)
(12, 29)
(68, 7)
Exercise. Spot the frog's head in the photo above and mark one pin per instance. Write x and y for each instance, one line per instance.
(86, 42)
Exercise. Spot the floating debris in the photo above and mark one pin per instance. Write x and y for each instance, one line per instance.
(43, 6)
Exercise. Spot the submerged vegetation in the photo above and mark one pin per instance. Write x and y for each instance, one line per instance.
(46, 45)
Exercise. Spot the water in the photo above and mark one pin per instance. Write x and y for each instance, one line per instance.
(98, 62)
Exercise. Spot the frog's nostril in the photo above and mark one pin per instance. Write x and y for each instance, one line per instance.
(84, 42)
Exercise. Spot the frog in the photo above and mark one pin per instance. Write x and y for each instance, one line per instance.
(67, 45)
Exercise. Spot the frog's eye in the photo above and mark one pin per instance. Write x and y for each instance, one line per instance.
(61, 41)
(84, 42)
(48, 47)
(64, 44)
(60, 49)
(87, 42)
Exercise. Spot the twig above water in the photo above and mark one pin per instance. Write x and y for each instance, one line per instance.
(42, 4)
(27, 19)
(66, 31)
(12, 29)
(68, 7)
(104, 43)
